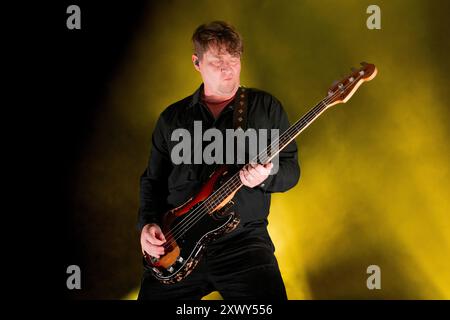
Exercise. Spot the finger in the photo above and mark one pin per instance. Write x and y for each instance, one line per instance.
(244, 179)
(253, 165)
(254, 174)
(242, 176)
(153, 240)
(153, 230)
(259, 170)
(153, 247)
(253, 179)
(159, 235)
(248, 176)
(154, 236)
(269, 165)
(154, 250)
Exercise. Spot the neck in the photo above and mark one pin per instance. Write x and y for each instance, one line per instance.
(212, 96)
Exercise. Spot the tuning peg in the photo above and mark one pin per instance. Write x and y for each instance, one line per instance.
(364, 63)
(335, 82)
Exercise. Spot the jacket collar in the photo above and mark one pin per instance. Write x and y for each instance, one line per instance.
(196, 97)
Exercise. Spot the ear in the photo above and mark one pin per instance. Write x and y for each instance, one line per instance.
(196, 62)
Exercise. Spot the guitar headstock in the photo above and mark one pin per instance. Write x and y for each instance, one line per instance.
(343, 90)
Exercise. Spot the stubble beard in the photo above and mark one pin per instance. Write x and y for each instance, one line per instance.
(227, 88)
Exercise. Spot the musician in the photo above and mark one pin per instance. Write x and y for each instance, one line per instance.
(240, 264)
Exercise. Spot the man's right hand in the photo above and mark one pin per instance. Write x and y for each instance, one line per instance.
(152, 240)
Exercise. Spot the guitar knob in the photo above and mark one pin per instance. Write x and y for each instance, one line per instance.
(180, 259)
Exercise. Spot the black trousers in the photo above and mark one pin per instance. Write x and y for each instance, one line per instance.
(240, 265)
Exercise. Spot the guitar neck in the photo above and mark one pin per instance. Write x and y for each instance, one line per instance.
(291, 133)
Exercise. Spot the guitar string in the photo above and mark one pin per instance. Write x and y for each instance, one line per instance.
(197, 214)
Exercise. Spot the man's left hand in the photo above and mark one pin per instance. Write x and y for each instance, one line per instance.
(254, 174)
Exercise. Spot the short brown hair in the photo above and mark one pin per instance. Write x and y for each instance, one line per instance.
(217, 34)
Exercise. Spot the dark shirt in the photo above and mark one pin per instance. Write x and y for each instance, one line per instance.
(165, 185)
(217, 107)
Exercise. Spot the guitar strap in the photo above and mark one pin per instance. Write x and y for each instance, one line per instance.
(240, 109)
(239, 121)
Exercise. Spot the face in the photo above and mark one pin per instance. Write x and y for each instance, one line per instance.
(220, 71)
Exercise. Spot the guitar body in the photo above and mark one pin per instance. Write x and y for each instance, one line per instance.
(190, 227)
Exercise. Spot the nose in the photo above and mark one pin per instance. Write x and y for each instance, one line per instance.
(227, 74)
(226, 68)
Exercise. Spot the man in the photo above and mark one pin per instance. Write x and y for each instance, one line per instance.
(240, 264)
